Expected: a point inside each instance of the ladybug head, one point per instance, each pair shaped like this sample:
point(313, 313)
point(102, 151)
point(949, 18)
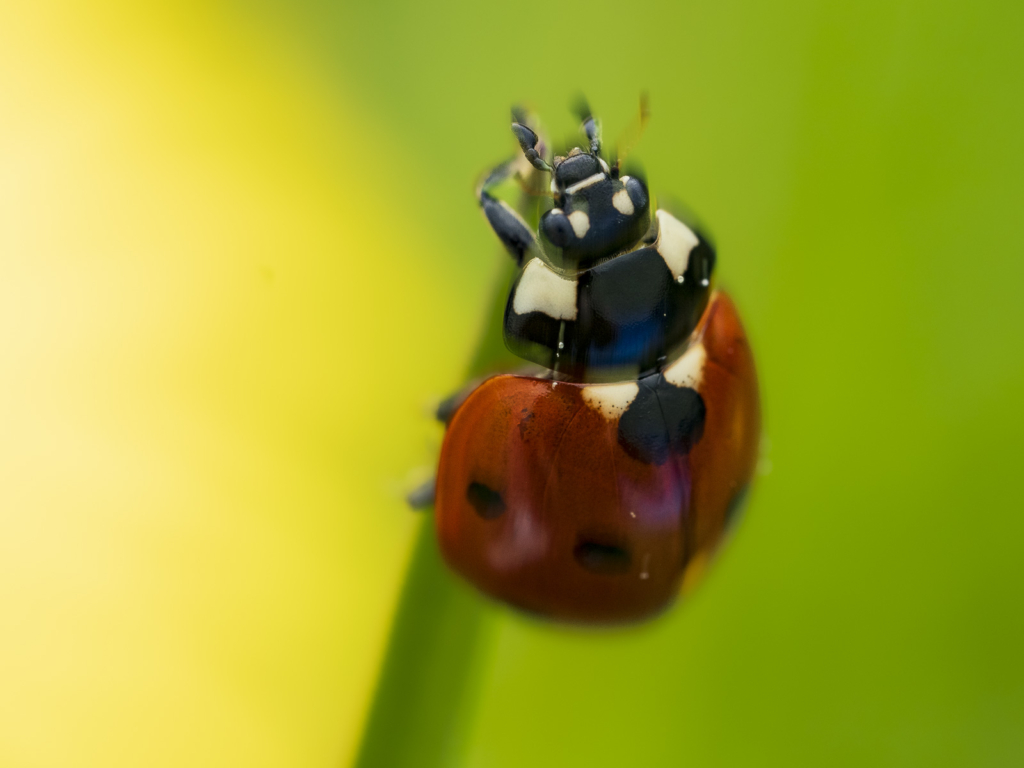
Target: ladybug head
point(596, 213)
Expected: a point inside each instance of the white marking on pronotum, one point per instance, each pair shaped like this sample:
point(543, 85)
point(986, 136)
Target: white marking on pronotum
point(688, 370)
point(604, 165)
point(675, 241)
point(584, 184)
point(610, 399)
point(542, 290)
point(580, 223)
point(622, 202)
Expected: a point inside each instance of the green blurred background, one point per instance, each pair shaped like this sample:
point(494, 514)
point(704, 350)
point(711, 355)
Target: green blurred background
point(239, 259)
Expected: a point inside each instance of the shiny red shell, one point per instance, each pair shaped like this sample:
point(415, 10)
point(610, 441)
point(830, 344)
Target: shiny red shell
point(586, 532)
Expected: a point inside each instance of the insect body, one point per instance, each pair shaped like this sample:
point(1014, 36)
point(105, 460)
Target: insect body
point(590, 493)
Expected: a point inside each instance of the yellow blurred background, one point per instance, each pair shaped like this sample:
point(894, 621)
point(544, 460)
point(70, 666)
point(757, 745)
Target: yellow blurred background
point(209, 404)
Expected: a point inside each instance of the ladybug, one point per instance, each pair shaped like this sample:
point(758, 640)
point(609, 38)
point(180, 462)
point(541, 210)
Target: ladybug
point(594, 489)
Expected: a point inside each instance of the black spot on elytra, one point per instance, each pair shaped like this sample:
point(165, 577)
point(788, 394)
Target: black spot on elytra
point(486, 501)
point(663, 420)
point(602, 559)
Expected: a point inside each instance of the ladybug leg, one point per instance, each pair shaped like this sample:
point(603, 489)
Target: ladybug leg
point(447, 407)
point(514, 233)
point(423, 496)
point(528, 139)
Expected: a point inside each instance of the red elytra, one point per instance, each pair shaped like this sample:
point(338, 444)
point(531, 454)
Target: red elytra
point(578, 529)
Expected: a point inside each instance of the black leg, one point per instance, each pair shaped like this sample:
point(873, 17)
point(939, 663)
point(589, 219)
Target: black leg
point(509, 226)
point(422, 497)
point(447, 407)
point(528, 140)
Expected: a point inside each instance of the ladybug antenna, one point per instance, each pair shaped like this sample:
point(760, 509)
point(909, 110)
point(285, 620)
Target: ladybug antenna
point(528, 140)
point(632, 134)
point(590, 127)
